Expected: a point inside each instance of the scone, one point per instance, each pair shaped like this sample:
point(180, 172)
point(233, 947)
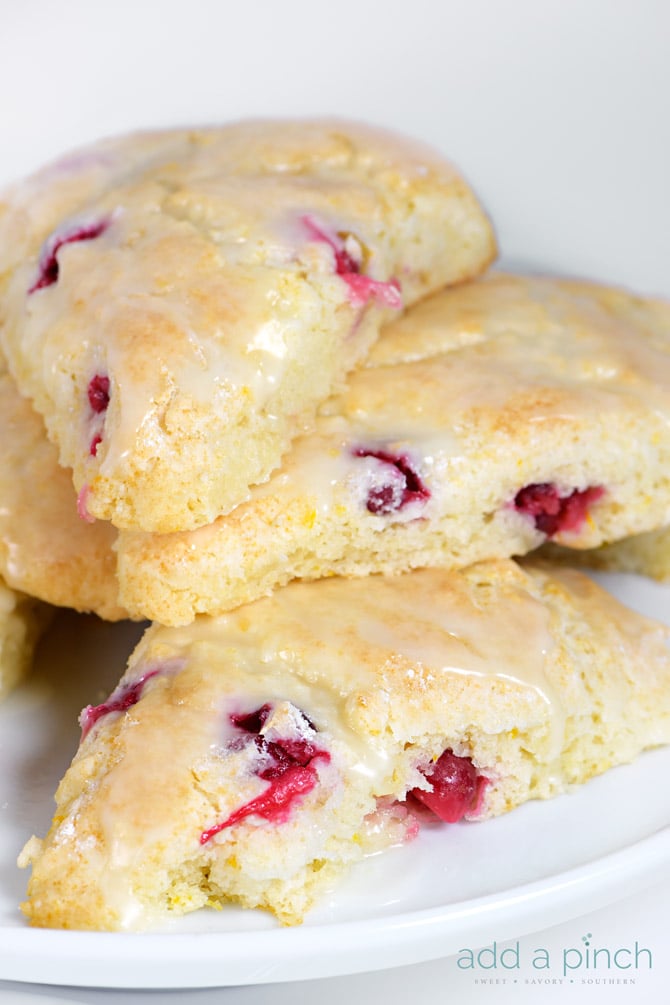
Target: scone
point(22, 620)
point(489, 418)
point(254, 757)
point(178, 303)
point(46, 550)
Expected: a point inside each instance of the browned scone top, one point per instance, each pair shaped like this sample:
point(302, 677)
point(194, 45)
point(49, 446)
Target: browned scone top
point(488, 419)
point(255, 756)
point(178, 303)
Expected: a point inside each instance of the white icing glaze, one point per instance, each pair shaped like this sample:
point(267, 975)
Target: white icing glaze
point(318, 647)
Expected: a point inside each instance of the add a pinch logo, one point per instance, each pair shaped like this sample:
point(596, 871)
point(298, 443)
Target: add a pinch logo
point(586, 961)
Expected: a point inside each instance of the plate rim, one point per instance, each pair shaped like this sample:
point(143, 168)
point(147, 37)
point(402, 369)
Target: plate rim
point(267, 956)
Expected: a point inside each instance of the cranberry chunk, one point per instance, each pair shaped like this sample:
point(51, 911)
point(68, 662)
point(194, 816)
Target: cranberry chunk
point(285, 753)
point(552, 512)
point(120, 700)
point(98, 393)
point(287, 763)
point(457, 787)
point(361, 287)
point(403, 487)
point(252, 722)
point(275, 803)
point(48, 267)
point(345, 263)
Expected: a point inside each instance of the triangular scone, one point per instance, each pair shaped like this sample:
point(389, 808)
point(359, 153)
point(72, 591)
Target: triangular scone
point(177, 304)
point(253, 757)
point(46, 549)
point(22, 620)
point(488, 418)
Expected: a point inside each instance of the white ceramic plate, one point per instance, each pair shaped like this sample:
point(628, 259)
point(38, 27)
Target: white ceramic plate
point(455, 887)
point(23, 998)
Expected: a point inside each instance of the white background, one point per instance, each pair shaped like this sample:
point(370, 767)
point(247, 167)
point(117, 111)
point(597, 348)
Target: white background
point(557, 110)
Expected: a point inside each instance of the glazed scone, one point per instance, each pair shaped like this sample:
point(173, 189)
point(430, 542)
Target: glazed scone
point(254, 757)
point(22, 620)
point(489, 418)
point(177, 304)
point(46, 550)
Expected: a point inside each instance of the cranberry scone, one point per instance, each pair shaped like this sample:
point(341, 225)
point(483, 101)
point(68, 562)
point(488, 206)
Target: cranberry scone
point(254, 757)
point(46, 550)
point(177, 304)
point(489, 418)
point(22, 621)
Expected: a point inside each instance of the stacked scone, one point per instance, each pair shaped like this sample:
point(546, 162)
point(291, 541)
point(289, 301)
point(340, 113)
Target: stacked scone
point(319, 519)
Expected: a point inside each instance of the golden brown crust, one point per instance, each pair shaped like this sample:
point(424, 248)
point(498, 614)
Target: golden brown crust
point(22, 621)
point(207, 293)
point(381, 674)
point(46, 549)
point(483, 389)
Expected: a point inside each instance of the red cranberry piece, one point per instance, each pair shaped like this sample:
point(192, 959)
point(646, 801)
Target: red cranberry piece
point(457, 787)
point(48, 268)
point(576, 507)
point(98, 399)
point(400, 491)
point(119, 701)
point(361, 287)
point(552, 512)
point(98, 393)
point(285, 753)
point(345, 264)
point(275, 803)
point(252, 722)
point(287, 764)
